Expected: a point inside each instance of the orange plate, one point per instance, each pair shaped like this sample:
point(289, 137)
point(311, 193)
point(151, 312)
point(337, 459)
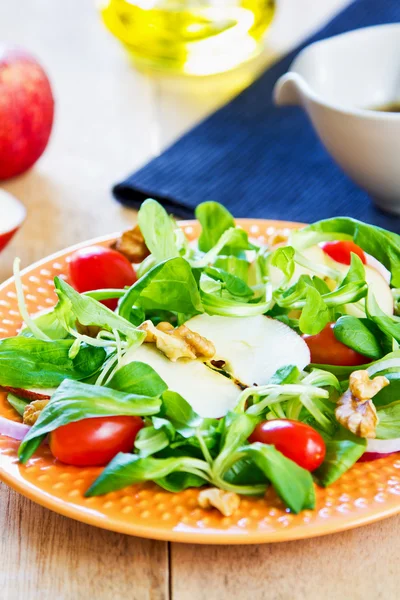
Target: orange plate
point(366, 493)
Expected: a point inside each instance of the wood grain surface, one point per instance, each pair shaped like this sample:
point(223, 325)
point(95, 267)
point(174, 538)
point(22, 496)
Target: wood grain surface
point(109, 120)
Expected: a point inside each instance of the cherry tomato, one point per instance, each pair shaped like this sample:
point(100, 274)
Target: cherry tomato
point(95, 268)
point(95, 441)
point(296, 440)
point(341, 251)
point(327, 350)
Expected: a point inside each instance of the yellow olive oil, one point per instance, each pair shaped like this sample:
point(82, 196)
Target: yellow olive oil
point(393, 107)
point(192, 37)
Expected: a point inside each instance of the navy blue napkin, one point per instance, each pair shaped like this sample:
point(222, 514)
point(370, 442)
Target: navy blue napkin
point(260, 160)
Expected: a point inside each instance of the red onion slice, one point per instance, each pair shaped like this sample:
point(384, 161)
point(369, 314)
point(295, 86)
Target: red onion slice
point(13, 429)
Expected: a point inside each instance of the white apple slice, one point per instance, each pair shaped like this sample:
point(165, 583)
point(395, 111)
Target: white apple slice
point(373, 262)
point(12, 215)
point(209, 393)
point(253, 348)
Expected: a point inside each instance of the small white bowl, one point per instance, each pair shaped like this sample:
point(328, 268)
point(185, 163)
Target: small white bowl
point(336, 81)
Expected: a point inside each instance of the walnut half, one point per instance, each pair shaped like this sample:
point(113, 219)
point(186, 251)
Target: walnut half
point(33, 410)
point(181, 342)
point(132, 245)
point(226, 502)
point(355, 409)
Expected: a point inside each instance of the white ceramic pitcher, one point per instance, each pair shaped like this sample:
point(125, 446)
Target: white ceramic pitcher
point(337, 81)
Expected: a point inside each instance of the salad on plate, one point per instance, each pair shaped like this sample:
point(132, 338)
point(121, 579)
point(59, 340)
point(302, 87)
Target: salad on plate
point(226, 365)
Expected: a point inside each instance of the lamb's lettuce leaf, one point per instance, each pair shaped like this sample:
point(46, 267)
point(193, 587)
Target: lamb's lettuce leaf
point(356, 334)
point(389, 326)
point(292, 483)
point(49, 324)
point(138, 378)
point(158, 230)
point(18, 404)
point(170, 286)
point(73, 307)
point(127, 469)
point(27, 362)
point(389, 419)
point(342, 451)
point(315, 314)
point(215, 219)
point(233, 284)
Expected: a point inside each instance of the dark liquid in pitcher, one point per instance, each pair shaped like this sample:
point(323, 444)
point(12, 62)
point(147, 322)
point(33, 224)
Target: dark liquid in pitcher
point(393, 107)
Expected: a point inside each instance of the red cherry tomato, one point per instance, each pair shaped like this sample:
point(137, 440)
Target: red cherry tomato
point(296, 440)
point(341, 251)
point(95, 268)
point(95, 441)
point(327, 350)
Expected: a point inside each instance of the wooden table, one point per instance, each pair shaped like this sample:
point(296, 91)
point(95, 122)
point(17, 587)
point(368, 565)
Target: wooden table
point(109, 120)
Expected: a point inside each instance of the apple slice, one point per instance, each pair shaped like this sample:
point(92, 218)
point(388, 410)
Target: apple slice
point(12, 215)
point(209, 393)
point(253, 348)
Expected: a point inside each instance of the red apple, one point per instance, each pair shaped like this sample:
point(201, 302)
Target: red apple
point(26, 111)
point(12, 215)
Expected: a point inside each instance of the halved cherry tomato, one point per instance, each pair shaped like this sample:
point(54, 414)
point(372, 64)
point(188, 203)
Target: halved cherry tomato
point(95, 441)
point(95, 268)
point(327, 350)
point(341, 251)
point(296, 440)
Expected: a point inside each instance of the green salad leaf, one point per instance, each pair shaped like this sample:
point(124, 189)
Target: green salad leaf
point(390, 326)
point(389, 420)
point(158, 230)
point(170, 286)
point(49, 324)
point(127, 469)
point(73, 307)
point(138, 378)
point(390, 393)
point(27, 362)
point(150, 440)
point(215, 219)
point(292, 483)
point(355, 334)
point(283, 259)
point(234, 265)
point(178, 481)
point(356, 271)
point(18, 404)
point(233, 284)
point(233, 241)
point(315, 314)
point(179, 413)
point(342, 452)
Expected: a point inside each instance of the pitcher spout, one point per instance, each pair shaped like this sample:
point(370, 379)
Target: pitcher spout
point(289, 90)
